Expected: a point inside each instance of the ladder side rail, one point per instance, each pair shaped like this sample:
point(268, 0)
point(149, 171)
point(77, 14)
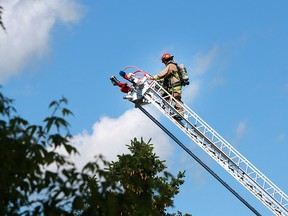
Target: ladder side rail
point(224, 143)
point(206, 128)
point(203, 136)
point(249, 168)
point(242, 160)
point(197, 159)
point(246, 182)
point(238, 174)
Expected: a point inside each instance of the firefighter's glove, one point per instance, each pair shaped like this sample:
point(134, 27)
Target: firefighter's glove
point(155, 77)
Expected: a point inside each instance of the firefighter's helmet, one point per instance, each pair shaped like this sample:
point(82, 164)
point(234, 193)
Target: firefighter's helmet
point(166, 56)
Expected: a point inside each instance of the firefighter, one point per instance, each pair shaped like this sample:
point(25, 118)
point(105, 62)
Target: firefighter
point(171, 80)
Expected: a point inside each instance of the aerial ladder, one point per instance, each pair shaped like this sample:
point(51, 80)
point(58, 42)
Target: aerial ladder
point(144, 90)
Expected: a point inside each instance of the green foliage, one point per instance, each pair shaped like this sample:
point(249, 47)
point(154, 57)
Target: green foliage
point(147, 188)
point(36, 179)
point(136, 184)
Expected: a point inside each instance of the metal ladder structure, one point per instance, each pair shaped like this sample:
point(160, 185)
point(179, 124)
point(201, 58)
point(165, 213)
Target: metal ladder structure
point(151, 92)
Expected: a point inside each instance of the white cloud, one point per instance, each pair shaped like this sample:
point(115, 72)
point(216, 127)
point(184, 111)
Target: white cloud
point(191, 91)
point(280, 138)
point(29, 24)
point(241, 128)
point(111, 135)
point(286, 87)
point(218, 81)
point(203, 62)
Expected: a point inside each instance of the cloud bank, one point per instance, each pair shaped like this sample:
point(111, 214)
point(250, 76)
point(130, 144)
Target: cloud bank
point(28, 30)
point(110, 136)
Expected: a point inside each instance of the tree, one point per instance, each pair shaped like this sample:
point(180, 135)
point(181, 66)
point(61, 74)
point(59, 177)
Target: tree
point(37, 180)
point(137, 184)
point(28, 184)
point(147, 188)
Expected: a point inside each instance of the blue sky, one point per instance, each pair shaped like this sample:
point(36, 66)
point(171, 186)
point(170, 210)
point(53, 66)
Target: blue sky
point(236, 55)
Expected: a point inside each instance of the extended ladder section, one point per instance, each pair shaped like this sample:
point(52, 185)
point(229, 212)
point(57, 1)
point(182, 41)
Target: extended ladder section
point(214, 145)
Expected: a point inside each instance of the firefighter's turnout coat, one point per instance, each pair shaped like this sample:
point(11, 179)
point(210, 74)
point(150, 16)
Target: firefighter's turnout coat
point(170, 78)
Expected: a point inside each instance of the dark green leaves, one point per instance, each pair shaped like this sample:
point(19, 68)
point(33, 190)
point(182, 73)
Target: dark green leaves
point(29, 163)
point(148, 188)
point(37, 177)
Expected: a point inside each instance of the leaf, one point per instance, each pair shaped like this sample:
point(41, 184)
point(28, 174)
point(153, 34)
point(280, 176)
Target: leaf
point(49, 122)
point(63, 100)
point(66, 112)
point(53, 103)
point(70, 149)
